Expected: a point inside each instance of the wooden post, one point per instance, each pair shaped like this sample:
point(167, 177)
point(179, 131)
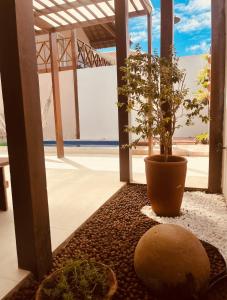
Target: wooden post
point(167, 27)
point(149, 48)
point(122, 48)
point(56, 94)
point(20, 89)
point(75, 80)
point(149, 33)
point(3, 194)
point(217, 95)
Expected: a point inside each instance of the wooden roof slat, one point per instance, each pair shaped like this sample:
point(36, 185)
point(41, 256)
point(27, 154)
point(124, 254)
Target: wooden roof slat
point(81, 13)
point(99, 8)
point(46, 27)
point(91, 22)
point(57, 13)
point(107, 28)
point(133, 4)
point(90, 11)
point(147, 5)
point(102, 43)
point(79, 23)
point(110, 6)
point(50, 11)
point(69, 5)
point(74, 4)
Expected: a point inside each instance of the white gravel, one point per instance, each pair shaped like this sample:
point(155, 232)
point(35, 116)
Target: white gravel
point(205, 215)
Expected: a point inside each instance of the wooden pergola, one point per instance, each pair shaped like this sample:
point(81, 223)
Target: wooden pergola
point(96, 17)
point(20, 88)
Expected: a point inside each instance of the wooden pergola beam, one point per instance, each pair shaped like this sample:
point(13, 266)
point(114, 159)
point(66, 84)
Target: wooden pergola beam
point(62, 7)
point(108, 29)
point(147, 6)
point(122, 49)
point(75, 81)
point(76, 4)
point(46, 27)
point(99, 44)
point(20, 89)
point(217, 95)
point(86, 23)
point(56, 94)
point(149, 50)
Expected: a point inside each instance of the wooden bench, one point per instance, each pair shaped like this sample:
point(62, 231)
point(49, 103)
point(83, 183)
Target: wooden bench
point(3, 184)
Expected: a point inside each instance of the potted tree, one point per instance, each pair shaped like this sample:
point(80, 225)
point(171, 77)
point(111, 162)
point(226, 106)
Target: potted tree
point(155, 88)
point(81, 279)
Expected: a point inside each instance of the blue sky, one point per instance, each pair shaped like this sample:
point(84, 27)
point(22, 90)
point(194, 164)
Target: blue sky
point(192, 34)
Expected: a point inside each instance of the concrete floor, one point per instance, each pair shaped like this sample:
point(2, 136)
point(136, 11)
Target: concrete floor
point(77, 186)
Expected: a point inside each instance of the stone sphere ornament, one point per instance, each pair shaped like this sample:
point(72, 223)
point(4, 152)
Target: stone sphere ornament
point(172, 262)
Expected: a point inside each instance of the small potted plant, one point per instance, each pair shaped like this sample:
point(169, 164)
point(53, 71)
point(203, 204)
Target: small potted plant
point(81, 279)
point(155, 88)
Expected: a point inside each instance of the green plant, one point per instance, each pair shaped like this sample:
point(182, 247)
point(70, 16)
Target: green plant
point(202, 138)
point(82, 279)
point(151, 84)
point(203, 94)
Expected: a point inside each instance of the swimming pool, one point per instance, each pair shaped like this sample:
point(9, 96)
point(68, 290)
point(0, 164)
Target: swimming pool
point(84, 143)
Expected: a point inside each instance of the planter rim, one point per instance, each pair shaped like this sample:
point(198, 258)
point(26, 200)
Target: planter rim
point(112, 289)
point(224, 277)
point(180, 160)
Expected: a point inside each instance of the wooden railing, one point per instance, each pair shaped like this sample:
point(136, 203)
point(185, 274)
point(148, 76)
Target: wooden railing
point(86, 56)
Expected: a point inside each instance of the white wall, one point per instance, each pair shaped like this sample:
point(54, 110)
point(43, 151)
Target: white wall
point(97, 102)
point(193, 65)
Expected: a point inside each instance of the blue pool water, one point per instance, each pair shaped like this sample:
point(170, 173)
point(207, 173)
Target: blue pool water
point(84, 143)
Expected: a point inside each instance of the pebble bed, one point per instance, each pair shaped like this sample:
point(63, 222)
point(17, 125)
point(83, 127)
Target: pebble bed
point(203, 214)
point(110, 236)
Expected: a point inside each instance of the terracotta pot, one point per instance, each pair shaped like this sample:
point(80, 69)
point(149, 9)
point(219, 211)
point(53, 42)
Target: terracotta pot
point(112, 283)
point(165, 183)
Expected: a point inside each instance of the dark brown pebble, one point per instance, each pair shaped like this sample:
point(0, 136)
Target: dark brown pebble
point(111, 237)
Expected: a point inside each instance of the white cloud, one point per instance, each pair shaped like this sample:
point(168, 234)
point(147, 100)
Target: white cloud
point(138, 24)
point(195, 22)
point(195, 16)
point(156, 23)
point(138, 27)
point(203, 46)
point(138, 36)
point(194, 6)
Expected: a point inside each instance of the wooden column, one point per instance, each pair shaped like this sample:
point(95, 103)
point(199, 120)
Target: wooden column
point(3, 194)
point(75, 81)
point(122, 48)
point(149, 50)
point(167, 25)
point(149, 33)
point(56, 94)
point(217, 95)
point(167, 41)
point(20, 88)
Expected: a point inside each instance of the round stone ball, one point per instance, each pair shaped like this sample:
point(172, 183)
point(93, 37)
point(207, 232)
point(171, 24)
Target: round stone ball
point(172, 262)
